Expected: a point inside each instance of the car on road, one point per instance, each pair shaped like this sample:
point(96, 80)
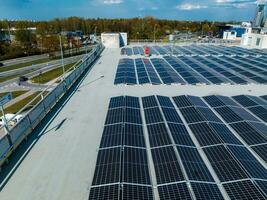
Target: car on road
point(1, 64)
point(23, 79)
point(12, 119)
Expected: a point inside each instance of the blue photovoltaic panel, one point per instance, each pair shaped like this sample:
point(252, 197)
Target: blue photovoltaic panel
point(108, 166)
point(261, 150)
point(192, 115)
point(180, 134)
point(224, 133)
point(133, 135)
point(228, 115)
point(132, 102)
point(158, 135)
point(153, 115)
point(205, 134)
point(194, 165)
point(149, 102)
point(182, 101)
point(249, 162)
point(221, 159)
point(244, 190)
point(116, 102)
point(112, 136)
point(115, 116)
point(165, 102)
point(262, 185)
point(178, 191)
point(105, 192)
point(249, 134)
point(171, 115)
point(137, 192)
point(135, 166)
point(166, 165)
point(206, 191)
point(196, 101)
point(260, 111)
point(132, 116)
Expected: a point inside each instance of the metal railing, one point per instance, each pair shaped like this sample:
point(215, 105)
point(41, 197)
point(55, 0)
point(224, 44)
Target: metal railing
point(43, 103)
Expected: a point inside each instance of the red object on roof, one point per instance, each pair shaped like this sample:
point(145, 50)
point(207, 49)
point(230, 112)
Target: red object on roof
point(147, 51)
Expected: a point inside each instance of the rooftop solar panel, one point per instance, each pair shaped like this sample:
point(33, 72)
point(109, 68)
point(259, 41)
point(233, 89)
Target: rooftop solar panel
point(221, 159)
point(243, 190)
point(182, 101)
point(259, 111)
point(153, 115)
point(180, 134)
point(133, 135)
point(178, 191)
point(206, 191)
point(249, 162)
point(194, 165)
point(224, 133)
point(149, 101)
point(107, 166)
point(192, 115)
point(135, 166)
point(261, 150)
point(205, 134)
point(105, 192)
point(166, 165)
point(165, 101)
point(137, 192)
point(171, 115)
point(112, 136)
point(158, 135)
point(262, 185)
point(248, 133)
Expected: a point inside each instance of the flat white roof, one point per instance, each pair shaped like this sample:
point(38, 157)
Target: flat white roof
point(61, 162)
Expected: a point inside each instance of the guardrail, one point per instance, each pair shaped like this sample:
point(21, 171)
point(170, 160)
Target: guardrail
point(48, 99)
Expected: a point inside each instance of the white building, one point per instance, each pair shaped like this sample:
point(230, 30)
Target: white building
point(254, 40)
point(114, 40)
point(229, 35)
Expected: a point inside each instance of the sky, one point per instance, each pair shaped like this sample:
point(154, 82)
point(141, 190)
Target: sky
point(213, 10)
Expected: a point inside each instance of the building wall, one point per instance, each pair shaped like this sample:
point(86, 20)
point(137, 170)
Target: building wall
point(253, 40)
point(110, 40)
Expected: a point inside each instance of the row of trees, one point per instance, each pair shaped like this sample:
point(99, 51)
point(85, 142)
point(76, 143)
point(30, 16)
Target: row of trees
point(132, 26)
point(45, 39)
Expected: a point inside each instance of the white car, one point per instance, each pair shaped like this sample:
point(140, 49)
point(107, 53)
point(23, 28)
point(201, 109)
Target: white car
point(15, 119)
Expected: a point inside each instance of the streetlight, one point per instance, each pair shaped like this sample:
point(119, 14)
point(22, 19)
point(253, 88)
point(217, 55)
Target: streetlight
point(62, 58)
point(155, 33)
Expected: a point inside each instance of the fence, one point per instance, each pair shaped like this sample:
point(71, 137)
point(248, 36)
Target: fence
point(19, 131)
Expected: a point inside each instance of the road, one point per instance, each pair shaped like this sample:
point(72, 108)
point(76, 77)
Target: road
point(33, 58)
point(42, 66)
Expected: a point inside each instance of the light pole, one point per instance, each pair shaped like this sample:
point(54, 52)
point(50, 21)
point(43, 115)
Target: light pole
point(95, 30)
point(155, 33)
point(62, 57)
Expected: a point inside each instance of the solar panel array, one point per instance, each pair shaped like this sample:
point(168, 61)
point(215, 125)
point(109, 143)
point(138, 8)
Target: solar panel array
point(192, 70)
point(213, 147)
point(192, 50)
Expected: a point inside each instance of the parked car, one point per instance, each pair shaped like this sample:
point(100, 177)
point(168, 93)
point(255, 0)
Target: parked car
point(1, 64)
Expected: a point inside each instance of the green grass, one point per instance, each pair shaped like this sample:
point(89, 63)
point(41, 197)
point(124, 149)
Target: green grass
point(26, 64)
point(3, 79)
point(15, 94)
point(50, 75)
point(19, 105)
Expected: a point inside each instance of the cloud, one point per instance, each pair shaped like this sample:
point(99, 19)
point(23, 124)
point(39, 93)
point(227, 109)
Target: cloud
point(113, 2)
point(189, 6)
point(235, 3)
